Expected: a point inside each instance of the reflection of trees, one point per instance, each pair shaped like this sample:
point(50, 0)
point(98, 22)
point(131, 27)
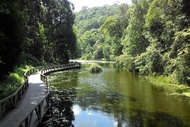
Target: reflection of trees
point(61, 110)
point(115, 104)
point(64, 80)
point(61, 114)
point(112, 103)
point(106, 102)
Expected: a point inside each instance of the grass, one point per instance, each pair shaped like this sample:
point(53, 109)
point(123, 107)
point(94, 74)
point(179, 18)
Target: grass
point(13, 82)
point(169, 85)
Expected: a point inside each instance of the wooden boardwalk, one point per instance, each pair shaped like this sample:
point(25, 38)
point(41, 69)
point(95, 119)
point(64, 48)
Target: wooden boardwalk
point(34, 102)
point(34, 95)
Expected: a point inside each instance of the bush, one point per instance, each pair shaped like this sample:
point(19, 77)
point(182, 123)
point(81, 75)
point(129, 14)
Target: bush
point(182, 65)
point(149, 62)
point(87, 57)
point(125, 61)
point(95, 68)
point(13, 82)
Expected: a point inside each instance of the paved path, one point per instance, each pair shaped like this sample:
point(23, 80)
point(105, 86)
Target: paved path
point(35, 93)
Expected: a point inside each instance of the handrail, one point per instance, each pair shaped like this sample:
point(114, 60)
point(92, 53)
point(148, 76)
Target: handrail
point(15, 97)
point(40, 107)
point(51, 69)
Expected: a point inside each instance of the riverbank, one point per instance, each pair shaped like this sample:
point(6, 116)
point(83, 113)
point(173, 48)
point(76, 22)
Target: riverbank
point(168, 85)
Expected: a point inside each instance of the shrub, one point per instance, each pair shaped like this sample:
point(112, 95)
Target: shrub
point(182, 70)
point(149, 62)
point(13, 82)
point(125, 61)
point(95, 68)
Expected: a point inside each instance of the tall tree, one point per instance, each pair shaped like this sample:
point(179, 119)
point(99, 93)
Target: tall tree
point(11, 36)
point(50, 36)
point(134, 41)
point(60, 19)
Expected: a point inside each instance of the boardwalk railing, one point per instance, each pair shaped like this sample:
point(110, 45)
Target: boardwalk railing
point(11, 101)
point(51, 69)
point(41, 109)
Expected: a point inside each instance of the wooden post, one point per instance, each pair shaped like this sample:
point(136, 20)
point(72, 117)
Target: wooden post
point(1, 110)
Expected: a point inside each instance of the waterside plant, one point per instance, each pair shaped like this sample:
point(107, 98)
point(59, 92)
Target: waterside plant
point(95, 68)
point(13, 82)
point(169, 85)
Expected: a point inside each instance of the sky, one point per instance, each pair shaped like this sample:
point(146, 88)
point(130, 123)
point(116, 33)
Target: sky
point(94, 3)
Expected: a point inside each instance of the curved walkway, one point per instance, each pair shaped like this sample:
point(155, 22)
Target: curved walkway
point(33, 96)
point(35, 102)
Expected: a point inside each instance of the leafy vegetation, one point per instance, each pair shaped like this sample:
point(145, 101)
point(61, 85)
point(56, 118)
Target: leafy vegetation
point(34, 32)
point(168, 84)
point(149, 37)
point(95, 68)
point(14, 80)
point(98, 32)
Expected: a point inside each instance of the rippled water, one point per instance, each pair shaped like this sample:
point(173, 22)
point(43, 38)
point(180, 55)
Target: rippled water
point(116, 98)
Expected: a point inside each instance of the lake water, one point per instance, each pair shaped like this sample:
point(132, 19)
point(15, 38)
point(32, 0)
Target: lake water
point(114, 98)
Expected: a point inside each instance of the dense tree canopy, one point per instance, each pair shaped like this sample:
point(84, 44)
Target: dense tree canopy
point(35, 31)
point(11, 38)
point(99, 31)
point(147, 37)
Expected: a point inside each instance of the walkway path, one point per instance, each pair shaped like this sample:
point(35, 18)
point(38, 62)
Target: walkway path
point(33, 96)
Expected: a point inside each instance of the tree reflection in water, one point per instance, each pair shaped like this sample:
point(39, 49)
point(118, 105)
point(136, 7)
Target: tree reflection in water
point(118, 104)
point(61, 114)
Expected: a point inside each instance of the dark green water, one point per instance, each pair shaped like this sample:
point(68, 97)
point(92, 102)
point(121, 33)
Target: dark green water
point(116, 98)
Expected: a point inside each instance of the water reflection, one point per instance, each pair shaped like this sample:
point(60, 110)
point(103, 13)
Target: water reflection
point(90, 117)
point(113, 98)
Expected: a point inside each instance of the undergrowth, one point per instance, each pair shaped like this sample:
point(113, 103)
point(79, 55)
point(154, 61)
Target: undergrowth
point(13, 82)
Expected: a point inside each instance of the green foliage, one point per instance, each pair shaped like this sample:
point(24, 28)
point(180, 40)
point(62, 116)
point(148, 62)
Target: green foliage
point(95, 68)
point(36, 31)
point(125, 61)
point(162, 48)
point(49, 35)
point(150, 37)
point(13, 82)
point(111, 27)
point(99, 31)
point(182, 71)
point(31, 60)
point(87, 57)
point(168, 84)
point(93, 18)
point(153, 14)
point(134, 41)
point(149, 62)
point(11, 36)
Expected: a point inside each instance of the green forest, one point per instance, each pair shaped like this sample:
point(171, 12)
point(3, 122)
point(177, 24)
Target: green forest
point(137, 70)
point(33, 32)
point(149, 37)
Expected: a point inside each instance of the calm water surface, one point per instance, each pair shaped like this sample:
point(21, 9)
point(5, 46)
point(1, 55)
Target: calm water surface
point(117, 98)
